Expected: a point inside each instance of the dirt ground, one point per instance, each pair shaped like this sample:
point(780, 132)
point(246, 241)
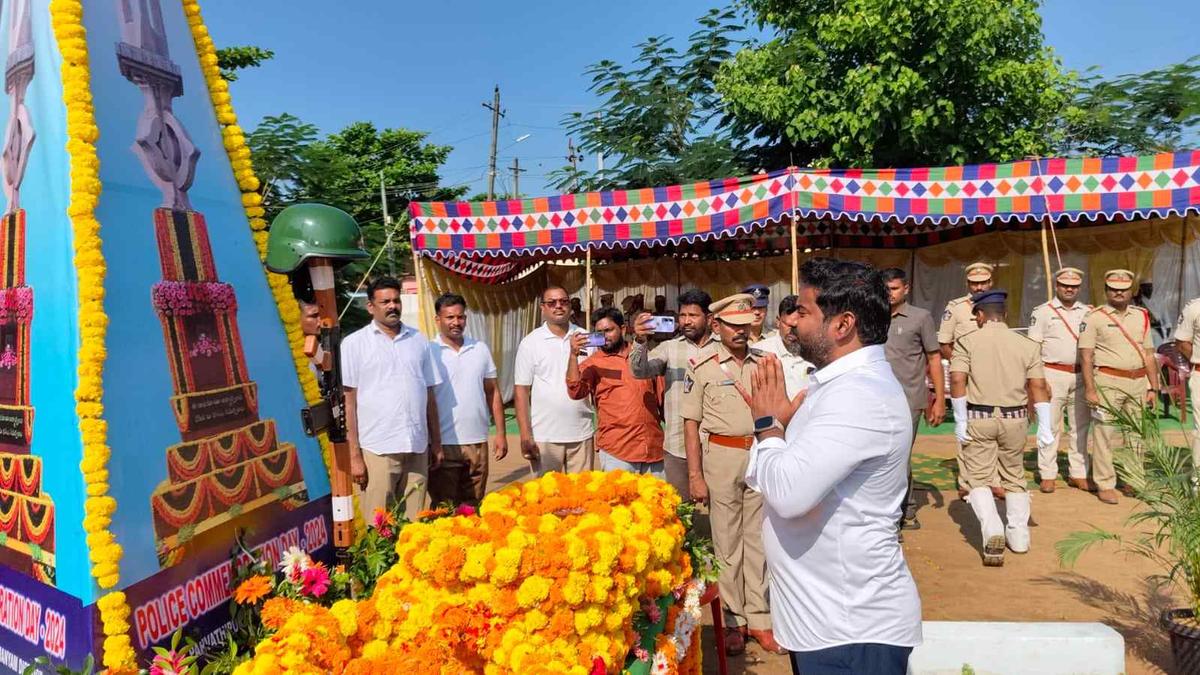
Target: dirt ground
point(944, 557)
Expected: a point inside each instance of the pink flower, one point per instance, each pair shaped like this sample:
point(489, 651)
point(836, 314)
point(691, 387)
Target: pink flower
point(314, 581)
point(464, 510)
point(641, 654)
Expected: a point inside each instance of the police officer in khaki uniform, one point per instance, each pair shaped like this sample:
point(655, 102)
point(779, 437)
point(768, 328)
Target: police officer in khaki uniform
point(989, 374)
point(957, 321)
point(762, 299)
point(1187, 340)
point(1055, 325)
point(1116, 353)
point(959, 317)
point(716, 402)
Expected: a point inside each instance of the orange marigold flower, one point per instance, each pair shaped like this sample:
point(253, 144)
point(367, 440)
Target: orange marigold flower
point(252, 590)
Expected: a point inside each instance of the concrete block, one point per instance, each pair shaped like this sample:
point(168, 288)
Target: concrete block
point(1018, 648)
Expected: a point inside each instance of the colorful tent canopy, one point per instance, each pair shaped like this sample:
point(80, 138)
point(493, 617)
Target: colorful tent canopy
point(882, 208)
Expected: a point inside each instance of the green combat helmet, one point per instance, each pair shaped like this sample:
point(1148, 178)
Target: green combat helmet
point(303, 231)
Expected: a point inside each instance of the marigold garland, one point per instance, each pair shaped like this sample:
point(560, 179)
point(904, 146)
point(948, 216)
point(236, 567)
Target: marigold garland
point(544, 579)
point(105, 554)
point(243, 172)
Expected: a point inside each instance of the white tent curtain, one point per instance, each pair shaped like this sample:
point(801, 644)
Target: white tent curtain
point(501, 315)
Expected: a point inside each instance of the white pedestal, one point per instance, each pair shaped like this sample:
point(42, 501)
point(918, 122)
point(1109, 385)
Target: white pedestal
point(1018, 648)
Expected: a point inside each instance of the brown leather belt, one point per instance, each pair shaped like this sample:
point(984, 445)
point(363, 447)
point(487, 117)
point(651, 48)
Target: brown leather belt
point(1063, 367)
point(1127, 374)
point(735, 442)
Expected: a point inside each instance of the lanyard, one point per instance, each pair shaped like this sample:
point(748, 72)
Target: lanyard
point(736, 383)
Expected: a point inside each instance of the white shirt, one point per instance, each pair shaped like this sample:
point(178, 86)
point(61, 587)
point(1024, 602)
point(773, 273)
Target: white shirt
point(461, 402)
point(391, 377)
point(832, 493)
point(795, 369)
point(542, 364)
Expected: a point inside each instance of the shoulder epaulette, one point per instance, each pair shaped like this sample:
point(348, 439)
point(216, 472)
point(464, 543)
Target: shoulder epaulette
point(702, 357)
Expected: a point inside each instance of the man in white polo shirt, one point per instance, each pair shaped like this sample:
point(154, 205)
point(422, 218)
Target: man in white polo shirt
point(467, 391)
point(556, 432)
point(391, 411)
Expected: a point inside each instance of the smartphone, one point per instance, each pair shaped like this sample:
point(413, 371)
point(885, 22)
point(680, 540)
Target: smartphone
point(595, 340)
point(662, 324)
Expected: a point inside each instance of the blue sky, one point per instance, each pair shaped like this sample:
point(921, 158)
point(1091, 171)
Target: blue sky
point(430, 65)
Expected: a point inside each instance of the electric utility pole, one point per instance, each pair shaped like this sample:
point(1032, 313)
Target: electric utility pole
point(497, 113)
point(516, 171)
point(573, 157)
point(387, 226)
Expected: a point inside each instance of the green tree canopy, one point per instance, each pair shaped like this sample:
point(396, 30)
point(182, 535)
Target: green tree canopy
point(885, 83)
point(658, 122)
point(1155, 111)
point(231, 59)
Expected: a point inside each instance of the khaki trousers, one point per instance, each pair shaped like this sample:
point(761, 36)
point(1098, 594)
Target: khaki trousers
point(1066, 394)
point(995, 445)
point(677, 474)
point(461, 478)
point(1121, 393)
point(574, 457)
point(1194, 395)
point(736, 513)
point(390, 478)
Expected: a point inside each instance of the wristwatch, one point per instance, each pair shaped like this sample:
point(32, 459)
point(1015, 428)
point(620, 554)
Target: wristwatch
point(763, 424)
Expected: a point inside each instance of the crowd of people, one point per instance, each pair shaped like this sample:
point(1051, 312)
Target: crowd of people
point(730, 415)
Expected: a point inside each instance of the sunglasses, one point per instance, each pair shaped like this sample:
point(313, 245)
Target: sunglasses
point(565, 302)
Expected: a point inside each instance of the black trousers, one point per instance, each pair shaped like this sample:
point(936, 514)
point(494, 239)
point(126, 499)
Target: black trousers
point(852, 659)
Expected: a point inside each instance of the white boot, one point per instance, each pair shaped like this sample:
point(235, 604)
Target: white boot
point(1017, 532)
point(990, 525)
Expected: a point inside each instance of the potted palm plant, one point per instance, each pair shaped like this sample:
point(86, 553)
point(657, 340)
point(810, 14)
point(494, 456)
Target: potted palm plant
point(1165, 524)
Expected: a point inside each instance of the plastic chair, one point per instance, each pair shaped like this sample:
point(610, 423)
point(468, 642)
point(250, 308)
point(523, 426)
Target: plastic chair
point(1175, 385)
point(712, 598)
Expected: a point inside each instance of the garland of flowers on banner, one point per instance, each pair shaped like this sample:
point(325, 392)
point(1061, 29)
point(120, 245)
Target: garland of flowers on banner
point(243, 172)
point(546, 578)
point(104, 551)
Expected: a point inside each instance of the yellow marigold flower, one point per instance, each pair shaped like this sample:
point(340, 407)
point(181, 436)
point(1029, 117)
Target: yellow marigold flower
point(533, 590)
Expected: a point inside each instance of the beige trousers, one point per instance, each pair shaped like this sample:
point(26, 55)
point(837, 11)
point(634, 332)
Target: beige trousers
point(390, 478)
point(1194, 395)
point(1121, 393)
point(564, 457)
point(995, 445)
point(1066, 395)
point(736, 513)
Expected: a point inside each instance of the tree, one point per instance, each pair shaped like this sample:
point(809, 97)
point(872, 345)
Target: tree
point(1155, 111)
point(883, 83)
point(659, 122)
point(230, 59)
point(344, 170)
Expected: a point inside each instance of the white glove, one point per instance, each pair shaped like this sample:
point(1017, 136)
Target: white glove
point(959, 405)
point(1045, 432)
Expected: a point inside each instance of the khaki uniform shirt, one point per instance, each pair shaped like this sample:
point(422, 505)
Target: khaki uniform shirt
point(1100, 332)
point(1188, 329)
point(997, 361)
point(710, 396)
point(1057, 331)
point(669, 359)
point(957, 320)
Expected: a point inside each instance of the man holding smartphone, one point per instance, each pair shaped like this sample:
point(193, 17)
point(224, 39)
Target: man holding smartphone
point(669, 360)
point(629, 436)
point(556, 431)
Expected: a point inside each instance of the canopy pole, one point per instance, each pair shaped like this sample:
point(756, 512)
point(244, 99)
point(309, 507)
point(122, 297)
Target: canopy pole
point(421, 323)
point(1046, 262)
point(795, 261)
point(587, 319)
point(1183, 232)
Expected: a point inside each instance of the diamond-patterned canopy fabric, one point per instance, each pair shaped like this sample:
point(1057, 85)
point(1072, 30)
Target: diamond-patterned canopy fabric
point(877, 208)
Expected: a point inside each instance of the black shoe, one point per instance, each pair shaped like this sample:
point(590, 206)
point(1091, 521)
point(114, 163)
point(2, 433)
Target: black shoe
point(910, 524)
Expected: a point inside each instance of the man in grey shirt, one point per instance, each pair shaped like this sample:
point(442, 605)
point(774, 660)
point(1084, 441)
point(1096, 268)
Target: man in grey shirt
point(912, 350)
point(670, 359)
